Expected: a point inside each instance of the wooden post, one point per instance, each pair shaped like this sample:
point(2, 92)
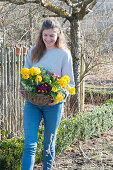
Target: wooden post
point(18, 97)
point(9, 89)
point(14, 89)
point(2, 93)
point(22, 56)
point(82, 83)
point(5, 91)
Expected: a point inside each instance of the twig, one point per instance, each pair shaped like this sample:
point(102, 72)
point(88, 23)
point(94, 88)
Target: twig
point(85, 156)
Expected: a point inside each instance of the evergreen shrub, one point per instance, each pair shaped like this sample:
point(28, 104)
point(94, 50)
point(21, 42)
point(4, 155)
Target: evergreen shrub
point(97, 96)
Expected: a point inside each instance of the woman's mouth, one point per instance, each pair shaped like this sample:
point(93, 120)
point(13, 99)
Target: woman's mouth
point(48, 42)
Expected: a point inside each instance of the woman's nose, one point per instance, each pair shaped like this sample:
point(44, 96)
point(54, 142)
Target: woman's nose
point(48, 38)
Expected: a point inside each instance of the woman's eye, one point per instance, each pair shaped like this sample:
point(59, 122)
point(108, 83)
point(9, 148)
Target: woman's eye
point(45, 35)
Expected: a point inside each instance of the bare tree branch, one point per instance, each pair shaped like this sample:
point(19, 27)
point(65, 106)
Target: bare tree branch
point(9, 10)
point(87, 69)
point(68, 2)
point(53, 8)
point(79, 4)
point(50, 15)
point(87, 2)
point(57, 10)
point(61, 12)
point(91, 6)
point(22, 2)
point(21, 17)
point(104, 35)
point(84, 10)
point(4, 5)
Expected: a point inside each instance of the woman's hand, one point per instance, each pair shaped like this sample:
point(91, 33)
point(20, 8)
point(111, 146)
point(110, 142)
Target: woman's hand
point(21, 92)
point(51, 104)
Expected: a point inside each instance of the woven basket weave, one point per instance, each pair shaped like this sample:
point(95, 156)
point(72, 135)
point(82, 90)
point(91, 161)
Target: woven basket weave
point(38, 99)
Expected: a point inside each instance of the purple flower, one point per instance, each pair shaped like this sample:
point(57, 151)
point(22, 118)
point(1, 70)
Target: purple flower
point(43, 88)
point(56, 76)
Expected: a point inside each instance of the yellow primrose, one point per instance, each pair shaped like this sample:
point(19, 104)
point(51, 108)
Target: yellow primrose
point(38, 78)
point(58, 101)
point(68, 88)
point(67, 78)
point(34, 71)
point(54, 89)
point(24, 71)
point(62, 82)
point(72, 90)
point(25, 76)
point(59, 97)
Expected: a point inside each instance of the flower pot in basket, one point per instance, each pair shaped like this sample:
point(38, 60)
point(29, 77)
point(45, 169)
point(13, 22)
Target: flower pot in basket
point(18, 51)
point(24, 51)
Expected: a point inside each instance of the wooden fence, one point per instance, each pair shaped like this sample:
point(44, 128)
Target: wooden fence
point(11, 102)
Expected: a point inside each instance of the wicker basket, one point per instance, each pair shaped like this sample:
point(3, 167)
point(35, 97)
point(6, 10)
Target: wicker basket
point(38, 99)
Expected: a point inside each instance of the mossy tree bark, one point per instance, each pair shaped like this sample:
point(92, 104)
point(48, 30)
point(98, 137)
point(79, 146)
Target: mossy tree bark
point(76, 54)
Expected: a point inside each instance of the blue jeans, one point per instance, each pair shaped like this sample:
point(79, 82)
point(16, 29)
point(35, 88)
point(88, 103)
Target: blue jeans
point(32, 116)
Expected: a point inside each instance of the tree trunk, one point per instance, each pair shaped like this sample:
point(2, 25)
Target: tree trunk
point(76, 54)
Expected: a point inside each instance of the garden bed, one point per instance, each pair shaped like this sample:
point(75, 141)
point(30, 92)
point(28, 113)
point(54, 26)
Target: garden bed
point(95, 153)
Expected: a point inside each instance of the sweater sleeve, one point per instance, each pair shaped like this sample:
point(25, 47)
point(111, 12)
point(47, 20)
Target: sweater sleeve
point(28, 63)
point(67, 68)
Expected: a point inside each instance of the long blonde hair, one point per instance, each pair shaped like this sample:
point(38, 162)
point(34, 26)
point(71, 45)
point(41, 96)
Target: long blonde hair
point(40, 48)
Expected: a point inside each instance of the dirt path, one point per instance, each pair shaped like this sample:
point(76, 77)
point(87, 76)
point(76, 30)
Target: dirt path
point(96, 153)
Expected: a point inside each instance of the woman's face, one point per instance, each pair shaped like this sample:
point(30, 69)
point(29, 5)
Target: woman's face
point(49, 38)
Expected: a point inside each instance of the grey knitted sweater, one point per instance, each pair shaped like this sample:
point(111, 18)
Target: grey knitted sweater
point(56, 60)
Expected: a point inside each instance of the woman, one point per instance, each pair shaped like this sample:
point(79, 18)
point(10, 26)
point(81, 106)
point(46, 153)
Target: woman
point(50, 52)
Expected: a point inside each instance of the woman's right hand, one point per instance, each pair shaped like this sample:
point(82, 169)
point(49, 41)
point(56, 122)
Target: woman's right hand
point(21, 92)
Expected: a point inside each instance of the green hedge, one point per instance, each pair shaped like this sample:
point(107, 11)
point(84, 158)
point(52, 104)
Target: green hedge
point(11, 153)
point(78, 127)
point(97, 96)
